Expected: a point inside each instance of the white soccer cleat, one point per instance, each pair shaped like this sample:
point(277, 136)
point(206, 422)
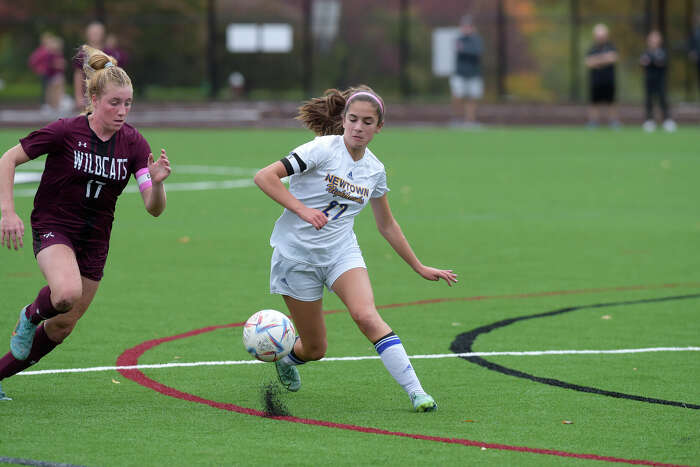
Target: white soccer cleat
point(670, 126)
point(649, 126)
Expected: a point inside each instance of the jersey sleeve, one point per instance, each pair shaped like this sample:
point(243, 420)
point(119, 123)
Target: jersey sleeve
point(304, 158)
point(140, 149)
point(381, 188)
point(43, 141)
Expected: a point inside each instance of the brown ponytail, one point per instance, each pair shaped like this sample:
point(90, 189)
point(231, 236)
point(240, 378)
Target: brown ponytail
point(100, 70)
point(324, 115)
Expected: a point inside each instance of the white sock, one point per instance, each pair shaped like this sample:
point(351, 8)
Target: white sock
point(396, 361)
point(291, 359)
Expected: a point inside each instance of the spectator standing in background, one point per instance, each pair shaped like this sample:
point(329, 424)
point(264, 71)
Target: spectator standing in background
point(47, 61)
point(112, 44)
point(654, 60)
point(466, 83)
point(95, 38)
point(601, 60)
point(694, 47)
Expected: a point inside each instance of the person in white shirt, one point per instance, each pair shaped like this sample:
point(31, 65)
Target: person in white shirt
point(331, 179)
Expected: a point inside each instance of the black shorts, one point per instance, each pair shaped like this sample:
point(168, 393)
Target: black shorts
point(91, 257)
point(603, 93)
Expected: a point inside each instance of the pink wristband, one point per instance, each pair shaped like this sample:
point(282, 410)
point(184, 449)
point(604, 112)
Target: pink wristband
point(143, 178)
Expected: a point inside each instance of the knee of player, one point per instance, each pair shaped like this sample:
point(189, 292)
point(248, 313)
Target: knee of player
point(58, 331)
point(367, 319)
point(316, 351)
point(65, 299)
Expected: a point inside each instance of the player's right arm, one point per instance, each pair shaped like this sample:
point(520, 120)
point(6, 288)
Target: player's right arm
point(11, 226)
point(269, 180)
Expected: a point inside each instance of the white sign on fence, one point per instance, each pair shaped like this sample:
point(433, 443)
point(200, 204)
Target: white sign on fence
point(253, 38)
point(444, 50)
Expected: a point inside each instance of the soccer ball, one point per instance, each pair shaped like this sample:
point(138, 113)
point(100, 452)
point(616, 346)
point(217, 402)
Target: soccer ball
point(269, 335)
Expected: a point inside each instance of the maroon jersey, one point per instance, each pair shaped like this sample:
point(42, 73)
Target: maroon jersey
point(83, 176)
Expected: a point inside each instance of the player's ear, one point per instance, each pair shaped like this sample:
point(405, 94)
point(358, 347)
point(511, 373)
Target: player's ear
point(379, 127)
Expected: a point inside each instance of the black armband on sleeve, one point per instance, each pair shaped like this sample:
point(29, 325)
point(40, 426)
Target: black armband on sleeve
point(293, 164)
point(287, 166)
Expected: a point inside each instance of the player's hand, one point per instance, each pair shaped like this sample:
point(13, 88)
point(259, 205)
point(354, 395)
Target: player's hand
point(433, 274)
point(11, 231)
point(314, 217)
point(160, 169)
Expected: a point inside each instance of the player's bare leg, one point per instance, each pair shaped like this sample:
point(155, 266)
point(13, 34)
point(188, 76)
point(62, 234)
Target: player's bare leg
point(354, 289)
point(312, 342)
point(60, 268)
point(49, 334)
point(60, 326)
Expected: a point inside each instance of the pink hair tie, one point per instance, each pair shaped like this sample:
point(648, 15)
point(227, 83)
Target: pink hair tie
point(365, 93)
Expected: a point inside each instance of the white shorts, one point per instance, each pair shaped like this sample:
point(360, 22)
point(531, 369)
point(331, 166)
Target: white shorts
point(304, 281)
point(472, 88)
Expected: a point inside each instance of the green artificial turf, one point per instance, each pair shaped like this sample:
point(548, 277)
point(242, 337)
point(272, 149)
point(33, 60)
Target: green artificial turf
point(515, 212)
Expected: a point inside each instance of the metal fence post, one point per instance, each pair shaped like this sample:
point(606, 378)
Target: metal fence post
point(307, 50)
point(574, 55)
point(211, 49)
point(404, 49)
point(502, 57)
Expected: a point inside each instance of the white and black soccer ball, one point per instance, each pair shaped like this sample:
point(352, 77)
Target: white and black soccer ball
point(269, 335)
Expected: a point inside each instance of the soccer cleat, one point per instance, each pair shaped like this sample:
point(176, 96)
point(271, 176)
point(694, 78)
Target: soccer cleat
point(669, 125)
point(423, 403)
point(289, 376)
point(22, 337)
point(649, 126)
point(3, 396)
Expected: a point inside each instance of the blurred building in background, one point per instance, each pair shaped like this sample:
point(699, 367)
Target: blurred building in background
point(290, 49)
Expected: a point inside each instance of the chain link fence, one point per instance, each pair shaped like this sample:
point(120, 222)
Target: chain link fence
point(177, 49)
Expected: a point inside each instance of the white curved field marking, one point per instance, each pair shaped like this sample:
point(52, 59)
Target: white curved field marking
point(243, 178)
point(533, 353)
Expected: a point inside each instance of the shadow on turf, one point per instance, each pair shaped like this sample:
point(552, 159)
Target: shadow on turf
point(273, 406)
point(464, 343)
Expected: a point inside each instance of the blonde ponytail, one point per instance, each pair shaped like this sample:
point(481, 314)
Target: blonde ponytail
point(100, 70)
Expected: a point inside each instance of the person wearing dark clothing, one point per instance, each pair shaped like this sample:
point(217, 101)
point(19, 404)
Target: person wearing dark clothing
point(654, 60)
point(466, 83)
point(694, 47)
point(601, 60)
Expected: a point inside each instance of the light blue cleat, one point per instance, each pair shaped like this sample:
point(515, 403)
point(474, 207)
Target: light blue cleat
point(289, 376)
point(22, 337)
point(423, 403)
point(3, 396)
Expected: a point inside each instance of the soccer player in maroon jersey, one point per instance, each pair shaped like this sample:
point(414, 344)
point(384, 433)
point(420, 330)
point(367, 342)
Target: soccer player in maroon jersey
point(90, 160)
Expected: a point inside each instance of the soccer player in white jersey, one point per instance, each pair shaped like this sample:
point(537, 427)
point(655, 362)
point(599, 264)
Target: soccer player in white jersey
point(332, 178)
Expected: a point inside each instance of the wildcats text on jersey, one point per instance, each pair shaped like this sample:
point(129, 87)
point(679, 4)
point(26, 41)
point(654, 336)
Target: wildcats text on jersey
point(340, 187)
point(101, 166)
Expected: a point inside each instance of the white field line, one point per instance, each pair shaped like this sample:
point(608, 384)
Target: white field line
point(25, 177)
point(368, 357)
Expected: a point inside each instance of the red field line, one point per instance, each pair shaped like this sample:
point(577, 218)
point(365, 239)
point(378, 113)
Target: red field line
point(131, 357)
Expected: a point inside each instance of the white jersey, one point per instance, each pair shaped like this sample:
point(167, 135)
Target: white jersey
point(324, 176)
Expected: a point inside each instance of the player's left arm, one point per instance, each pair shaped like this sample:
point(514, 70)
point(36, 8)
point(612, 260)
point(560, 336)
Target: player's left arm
point(151, 183)
point(391, 231)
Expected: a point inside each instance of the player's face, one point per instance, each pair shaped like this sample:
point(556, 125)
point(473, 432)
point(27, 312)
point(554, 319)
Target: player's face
point(112, 107)
point(361, 123)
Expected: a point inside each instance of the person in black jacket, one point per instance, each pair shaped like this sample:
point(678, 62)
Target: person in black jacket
point(654, 60)
point(600, 60)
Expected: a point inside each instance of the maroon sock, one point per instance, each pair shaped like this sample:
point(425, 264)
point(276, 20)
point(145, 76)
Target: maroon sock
point(42, 308)
point(42, 345)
